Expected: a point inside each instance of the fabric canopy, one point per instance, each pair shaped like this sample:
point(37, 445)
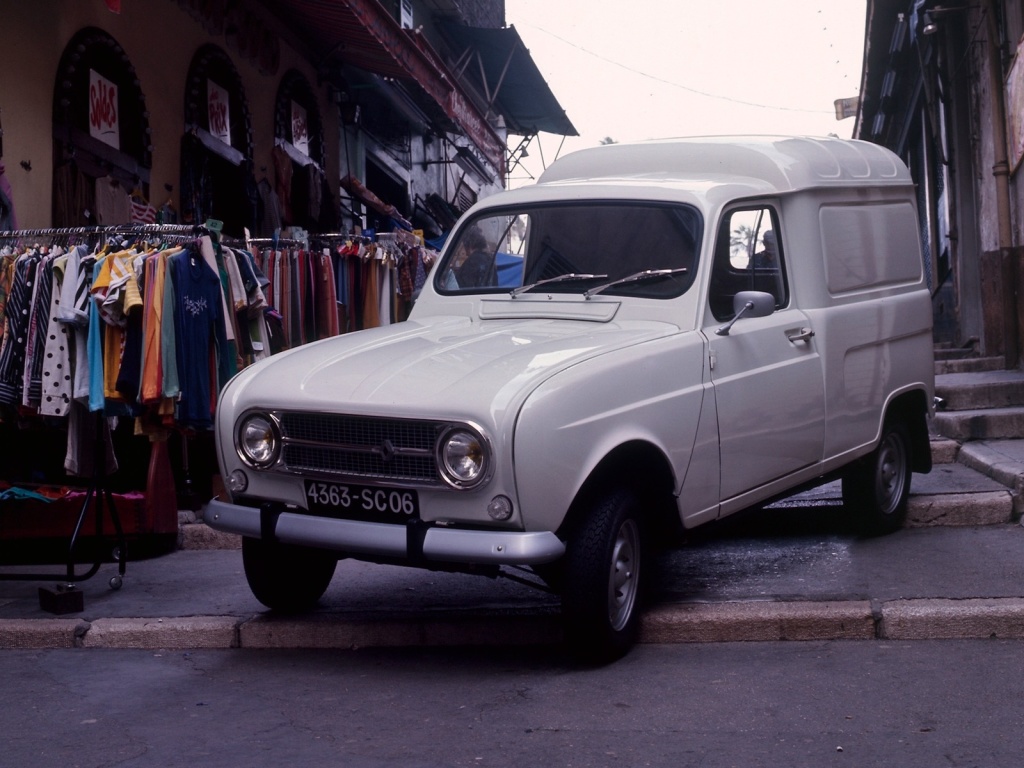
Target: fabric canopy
point(517, 88)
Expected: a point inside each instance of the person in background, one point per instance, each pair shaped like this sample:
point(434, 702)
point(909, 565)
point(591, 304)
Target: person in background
point(474, 266)
point(768, 258)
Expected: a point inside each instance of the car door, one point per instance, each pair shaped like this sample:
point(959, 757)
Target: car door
point(766, 371)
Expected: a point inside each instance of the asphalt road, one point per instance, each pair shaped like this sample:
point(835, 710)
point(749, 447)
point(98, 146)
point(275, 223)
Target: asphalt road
point(912, 704)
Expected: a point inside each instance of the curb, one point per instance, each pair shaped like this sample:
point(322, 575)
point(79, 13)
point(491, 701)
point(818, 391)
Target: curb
point(322, 632)
point(192, 632)
point(760, 621)
point(942, 619)
point(960, 509)
point(30, 634)
point(766, 621)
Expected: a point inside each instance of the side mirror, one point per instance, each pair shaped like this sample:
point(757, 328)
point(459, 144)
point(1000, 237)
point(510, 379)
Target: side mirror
point(748, 304)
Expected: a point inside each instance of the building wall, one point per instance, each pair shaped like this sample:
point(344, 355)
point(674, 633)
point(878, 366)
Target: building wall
point(160, 38)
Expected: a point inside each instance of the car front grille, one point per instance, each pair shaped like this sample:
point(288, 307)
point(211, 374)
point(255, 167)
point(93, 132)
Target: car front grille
point(391, 450)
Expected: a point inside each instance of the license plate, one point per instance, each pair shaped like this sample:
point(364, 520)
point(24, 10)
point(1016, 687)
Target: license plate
point(362, 502)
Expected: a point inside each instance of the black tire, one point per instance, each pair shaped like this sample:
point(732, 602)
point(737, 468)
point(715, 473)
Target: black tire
point(602, 579)
point(284, 577)
point(877, 487)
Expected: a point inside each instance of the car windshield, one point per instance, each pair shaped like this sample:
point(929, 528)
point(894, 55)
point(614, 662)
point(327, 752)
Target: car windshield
point(574, 248)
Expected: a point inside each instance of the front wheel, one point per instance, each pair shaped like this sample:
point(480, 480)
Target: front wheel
point(877, 487)
point(601, 586)
point(286, 577)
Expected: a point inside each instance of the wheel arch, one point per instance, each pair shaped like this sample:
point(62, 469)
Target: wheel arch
point(644, 469)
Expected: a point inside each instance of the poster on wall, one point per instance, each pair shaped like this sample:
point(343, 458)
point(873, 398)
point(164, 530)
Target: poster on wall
point(104, 122)
point(218, 108)
point(300, 129)
point(1015, 109)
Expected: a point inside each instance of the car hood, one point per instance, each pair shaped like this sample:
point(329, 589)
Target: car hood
point(452, 366)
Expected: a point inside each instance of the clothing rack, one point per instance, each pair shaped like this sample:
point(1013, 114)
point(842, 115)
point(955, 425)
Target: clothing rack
point(276, 240)
point(66, 597)
point(113, 229)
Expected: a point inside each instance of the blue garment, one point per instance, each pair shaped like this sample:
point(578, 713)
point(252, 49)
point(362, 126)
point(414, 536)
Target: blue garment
point(94, 345)
point(199, 329)
point(12, 494)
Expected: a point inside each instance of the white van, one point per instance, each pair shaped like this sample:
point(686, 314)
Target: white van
point(651, 337)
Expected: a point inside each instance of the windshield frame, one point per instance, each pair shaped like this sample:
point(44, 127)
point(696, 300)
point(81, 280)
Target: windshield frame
point(681, 232)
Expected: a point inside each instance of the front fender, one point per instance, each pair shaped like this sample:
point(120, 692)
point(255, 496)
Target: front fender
point(650, 392)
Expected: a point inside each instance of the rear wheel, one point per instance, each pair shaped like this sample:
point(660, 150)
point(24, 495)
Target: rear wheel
point(602, 579)
point(285, 577)
point(877, 487)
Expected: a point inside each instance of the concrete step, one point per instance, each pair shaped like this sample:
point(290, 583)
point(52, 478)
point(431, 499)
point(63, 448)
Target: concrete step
point(1001, 460)
point(944, 449)
point(944, 365)
point(949, 351)
point(979, 390)
point(981, 424)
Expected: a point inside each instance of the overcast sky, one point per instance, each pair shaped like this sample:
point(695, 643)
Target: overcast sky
point(659, 68)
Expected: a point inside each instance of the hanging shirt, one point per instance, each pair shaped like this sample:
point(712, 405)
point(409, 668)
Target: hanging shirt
point(57, 383)
point(39, 320)
point(199, 326)
point(113, 205)
point(12, 353)
point(95, 347)
point(170, 385)
point(107, 312)
point(153, 312)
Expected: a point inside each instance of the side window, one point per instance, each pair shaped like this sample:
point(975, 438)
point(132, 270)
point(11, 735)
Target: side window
point(748, 257)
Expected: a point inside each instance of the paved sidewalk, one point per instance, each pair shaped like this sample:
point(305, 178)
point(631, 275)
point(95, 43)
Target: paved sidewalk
point(927, 582)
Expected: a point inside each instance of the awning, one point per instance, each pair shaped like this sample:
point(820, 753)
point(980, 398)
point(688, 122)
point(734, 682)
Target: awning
point(362, 33)
point(499, 61)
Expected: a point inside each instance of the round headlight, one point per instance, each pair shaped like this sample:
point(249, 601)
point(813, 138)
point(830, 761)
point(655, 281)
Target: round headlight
point(258, 441)
point(463, 458)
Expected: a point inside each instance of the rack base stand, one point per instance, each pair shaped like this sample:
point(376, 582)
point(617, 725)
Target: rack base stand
point(62, 599)
point(65, 597)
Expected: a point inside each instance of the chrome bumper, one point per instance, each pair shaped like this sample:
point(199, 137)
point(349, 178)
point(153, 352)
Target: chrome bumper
point(449, 545)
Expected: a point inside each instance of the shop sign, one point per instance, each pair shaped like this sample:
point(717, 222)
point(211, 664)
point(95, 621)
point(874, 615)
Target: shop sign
point(219, 112)
point(300, 129)
point(104, 123)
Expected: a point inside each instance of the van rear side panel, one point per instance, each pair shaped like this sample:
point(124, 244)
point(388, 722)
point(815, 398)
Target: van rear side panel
point(876, 337)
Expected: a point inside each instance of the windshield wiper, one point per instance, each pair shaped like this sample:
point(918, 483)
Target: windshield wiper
point(647, 274)
point(561, 278)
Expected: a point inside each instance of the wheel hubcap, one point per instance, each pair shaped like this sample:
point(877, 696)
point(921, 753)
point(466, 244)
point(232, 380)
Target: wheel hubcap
point(892, 474)
point(623, 579)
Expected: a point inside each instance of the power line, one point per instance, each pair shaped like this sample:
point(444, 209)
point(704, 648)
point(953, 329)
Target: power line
point(674, 84)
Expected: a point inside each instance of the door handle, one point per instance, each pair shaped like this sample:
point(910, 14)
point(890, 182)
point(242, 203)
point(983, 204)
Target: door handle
point(799, 334)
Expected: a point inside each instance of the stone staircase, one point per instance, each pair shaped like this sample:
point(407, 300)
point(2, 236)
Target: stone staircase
point(980, 420)
point(983, 405)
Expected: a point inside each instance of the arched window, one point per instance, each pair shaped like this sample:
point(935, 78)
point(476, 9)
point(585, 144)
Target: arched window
point(101, 131)
point(302, 197)
point(297, 117)
point(216, 150)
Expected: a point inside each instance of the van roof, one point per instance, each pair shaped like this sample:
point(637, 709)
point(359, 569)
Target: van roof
point(784, 163)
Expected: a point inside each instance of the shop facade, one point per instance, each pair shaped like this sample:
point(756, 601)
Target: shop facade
point(351, 134)
point(942, 86)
